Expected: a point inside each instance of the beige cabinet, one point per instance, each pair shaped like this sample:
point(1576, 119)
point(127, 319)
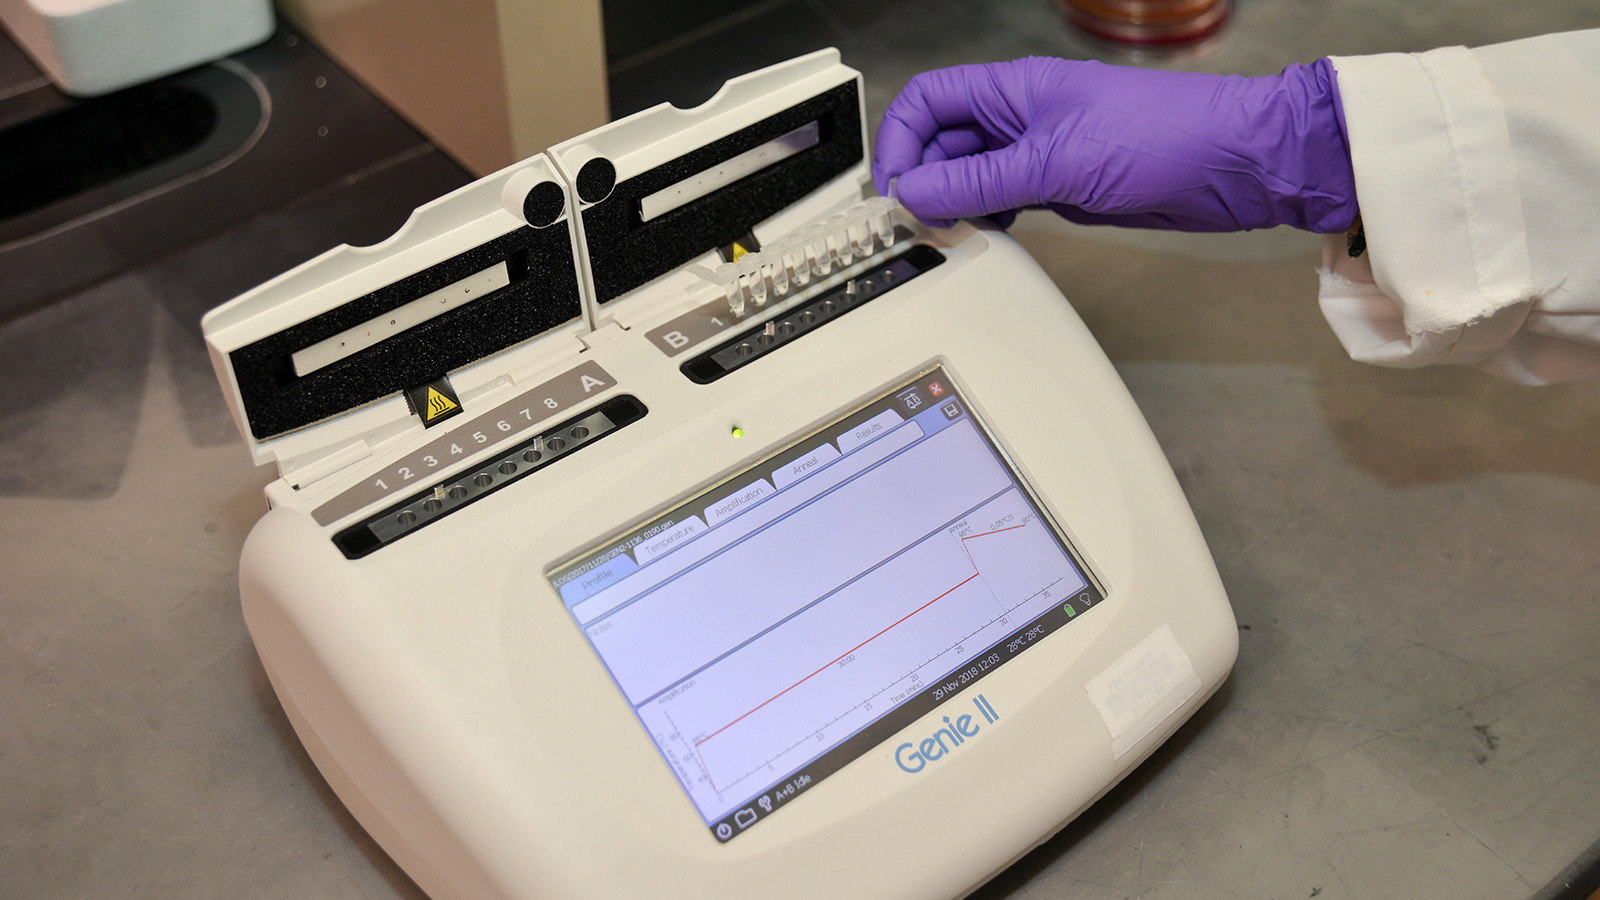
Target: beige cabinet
point(490, 81)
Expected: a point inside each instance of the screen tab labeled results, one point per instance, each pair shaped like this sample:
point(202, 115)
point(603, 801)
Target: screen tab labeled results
point(783, 623)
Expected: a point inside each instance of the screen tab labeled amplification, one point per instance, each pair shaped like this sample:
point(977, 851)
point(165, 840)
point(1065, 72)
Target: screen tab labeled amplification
point(776, 627)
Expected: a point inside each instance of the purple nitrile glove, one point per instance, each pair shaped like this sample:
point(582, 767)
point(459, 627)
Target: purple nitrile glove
point(1113, 145)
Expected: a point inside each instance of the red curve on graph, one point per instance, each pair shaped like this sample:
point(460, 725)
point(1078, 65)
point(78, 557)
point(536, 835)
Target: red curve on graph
point(869, 640)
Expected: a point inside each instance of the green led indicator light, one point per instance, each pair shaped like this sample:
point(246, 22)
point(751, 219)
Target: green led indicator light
point(738, 432)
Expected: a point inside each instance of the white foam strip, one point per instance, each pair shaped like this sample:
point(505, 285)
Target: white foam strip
point(745, 164)
point(354, 340)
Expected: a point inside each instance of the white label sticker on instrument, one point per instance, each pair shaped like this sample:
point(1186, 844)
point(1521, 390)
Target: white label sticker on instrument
point(396, 321)
point(1139, 691)
point(725, 173)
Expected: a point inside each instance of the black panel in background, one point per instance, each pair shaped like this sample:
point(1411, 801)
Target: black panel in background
point(325, 132)
point(89, 144)
point(686, 63)
point(634, 26)
point(83, 303)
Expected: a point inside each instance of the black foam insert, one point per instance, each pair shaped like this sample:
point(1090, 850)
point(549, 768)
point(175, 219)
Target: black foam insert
point(544, 204)
point(626, 252)
point(543, 294)
point(596, 179)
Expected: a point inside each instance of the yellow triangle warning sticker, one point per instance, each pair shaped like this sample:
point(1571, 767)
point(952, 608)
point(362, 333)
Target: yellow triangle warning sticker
point(439, 404)
point(740, 246)
point(433, 401)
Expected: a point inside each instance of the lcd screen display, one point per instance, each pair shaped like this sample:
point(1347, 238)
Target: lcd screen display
point(782, 623)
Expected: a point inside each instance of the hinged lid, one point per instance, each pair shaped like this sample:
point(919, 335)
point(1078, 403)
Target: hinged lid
point(316, 362)
point(665, 186)
point(330, 347)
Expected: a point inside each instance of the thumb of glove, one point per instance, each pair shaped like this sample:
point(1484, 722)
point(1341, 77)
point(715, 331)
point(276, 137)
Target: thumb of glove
point(978, 185)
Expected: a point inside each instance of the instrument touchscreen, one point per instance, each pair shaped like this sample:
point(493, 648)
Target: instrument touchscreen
point(777, 626)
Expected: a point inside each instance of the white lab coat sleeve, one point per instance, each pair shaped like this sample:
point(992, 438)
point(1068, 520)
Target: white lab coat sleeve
point(1478, 177)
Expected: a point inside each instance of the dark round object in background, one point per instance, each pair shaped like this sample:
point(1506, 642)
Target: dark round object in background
point(1148, 25)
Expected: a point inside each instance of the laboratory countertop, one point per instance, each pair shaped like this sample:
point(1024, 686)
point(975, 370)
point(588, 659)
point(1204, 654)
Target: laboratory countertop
point(1411, 557)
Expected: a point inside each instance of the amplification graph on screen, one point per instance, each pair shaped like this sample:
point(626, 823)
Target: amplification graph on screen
point(822, 674)
point(926, 635)
point(758, 644)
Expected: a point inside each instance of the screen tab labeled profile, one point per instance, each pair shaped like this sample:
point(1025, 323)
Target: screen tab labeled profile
point(837, 591)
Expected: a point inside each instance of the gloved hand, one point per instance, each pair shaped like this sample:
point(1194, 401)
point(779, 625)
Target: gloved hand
point(1113, 145)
